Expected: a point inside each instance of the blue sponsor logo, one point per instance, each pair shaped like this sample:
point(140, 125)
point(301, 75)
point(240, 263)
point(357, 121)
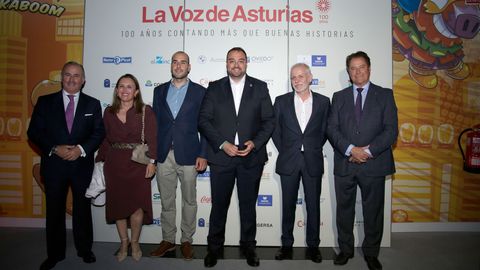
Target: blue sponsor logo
point(319, 60)
point(106, 83)
point(156, 196)
point(156, 221)
point(161, 60)
point(299, 201)
point(204, 174)
point(264, 200)
point(315, 81)
point(117, 60)
point(201, 222)
point(148, 83)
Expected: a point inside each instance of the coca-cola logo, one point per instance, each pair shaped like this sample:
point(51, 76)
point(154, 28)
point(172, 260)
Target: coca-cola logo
point(206, 199)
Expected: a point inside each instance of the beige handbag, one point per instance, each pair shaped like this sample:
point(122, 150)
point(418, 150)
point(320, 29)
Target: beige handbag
point(139, 153)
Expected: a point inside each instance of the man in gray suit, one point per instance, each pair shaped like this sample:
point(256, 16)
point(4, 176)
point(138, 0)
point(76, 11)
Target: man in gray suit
point(362, 127)
point(299, 135)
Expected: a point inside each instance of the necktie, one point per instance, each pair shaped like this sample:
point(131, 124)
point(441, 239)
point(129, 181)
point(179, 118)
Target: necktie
point(69, 112)
point(358, 105)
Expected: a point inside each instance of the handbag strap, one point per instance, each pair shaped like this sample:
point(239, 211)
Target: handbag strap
point(143, 124)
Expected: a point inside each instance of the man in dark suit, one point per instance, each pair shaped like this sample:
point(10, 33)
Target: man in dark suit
point(181, 153)
point(237, 119)
point(299, 135)
point(362, 127)
point(67, 127)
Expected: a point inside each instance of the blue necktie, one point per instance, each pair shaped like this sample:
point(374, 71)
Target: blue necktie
point(358, 105)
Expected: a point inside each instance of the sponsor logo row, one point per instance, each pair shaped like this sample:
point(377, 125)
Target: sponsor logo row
point(312, 60)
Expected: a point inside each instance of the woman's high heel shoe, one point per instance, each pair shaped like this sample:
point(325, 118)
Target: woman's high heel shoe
point(136, 251)
point(123, 250)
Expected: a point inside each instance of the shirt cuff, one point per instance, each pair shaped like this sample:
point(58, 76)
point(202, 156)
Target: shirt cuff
point(52, 151)
point(221, 145)
point(83, 151)
point(349, 150)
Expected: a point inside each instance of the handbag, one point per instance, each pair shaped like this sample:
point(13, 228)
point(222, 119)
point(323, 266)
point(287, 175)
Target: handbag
point(139, 153)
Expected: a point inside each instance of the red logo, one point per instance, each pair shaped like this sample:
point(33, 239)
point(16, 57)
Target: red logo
point(323, 5)
point(206, 199)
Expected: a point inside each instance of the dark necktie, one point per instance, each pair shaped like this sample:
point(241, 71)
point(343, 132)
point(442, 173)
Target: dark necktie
point(69, 112)
point(358, 105)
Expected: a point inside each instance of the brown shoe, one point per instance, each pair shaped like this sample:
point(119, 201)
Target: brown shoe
point(187, 250)
point(162, 249)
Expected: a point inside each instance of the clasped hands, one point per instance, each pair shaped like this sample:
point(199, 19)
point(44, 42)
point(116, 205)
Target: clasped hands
point(359, 154)
point(68, 152)
point(232, 150)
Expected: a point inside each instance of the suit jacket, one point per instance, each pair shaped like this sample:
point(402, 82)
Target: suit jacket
point(219, 122)
point(378, 128)
point(48, 128)
point(289, 138)
point(182, 131)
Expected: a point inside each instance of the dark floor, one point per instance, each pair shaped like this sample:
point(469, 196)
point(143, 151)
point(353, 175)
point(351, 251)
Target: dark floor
point(24, 248)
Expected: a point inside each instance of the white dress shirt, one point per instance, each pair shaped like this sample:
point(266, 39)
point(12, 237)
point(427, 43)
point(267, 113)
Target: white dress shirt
point(237, 91)
point(303, 110)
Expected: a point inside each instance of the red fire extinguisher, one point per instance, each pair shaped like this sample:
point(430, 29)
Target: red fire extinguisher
point(471, 159)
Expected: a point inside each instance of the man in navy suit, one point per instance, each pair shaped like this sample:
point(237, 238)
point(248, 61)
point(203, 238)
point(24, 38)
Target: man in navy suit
point(67, 127)
point(237, 119)
point(300, 133)
point(362, 127)
point(181, 153)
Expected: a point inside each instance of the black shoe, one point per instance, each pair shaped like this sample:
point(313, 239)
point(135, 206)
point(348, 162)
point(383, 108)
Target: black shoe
point(342, 258)
point(313, 253)
point(373, 263)
point(251, 256)
point(88, 257)
point(284, 253)
point(210, 260)
point(50, 263)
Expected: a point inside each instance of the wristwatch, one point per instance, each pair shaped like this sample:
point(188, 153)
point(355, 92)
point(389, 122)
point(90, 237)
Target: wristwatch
point(153, 161)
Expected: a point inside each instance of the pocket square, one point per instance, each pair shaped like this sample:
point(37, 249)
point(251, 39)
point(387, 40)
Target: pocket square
point(88, 114)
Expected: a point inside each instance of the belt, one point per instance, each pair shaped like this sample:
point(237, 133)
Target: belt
point(124, 145)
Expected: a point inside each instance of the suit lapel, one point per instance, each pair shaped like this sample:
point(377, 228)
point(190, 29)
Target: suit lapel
point(350, 105)
point(246, 94)
point(78, 112)
point(163, 98)
point(229, 96)
point(60, 111)
point(369, 101)
point(291, 112)
point(314, 111)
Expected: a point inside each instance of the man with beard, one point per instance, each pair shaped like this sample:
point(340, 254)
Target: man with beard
point(181, 153)
point(237, 119)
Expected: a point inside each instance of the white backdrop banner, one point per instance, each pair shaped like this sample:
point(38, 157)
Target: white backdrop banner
point(139, 37)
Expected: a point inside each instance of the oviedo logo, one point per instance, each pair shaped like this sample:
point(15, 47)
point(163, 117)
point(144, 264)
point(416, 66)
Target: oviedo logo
point(215, 14)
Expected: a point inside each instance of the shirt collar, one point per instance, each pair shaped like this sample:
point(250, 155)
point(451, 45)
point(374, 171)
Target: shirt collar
point(65, 94)
point(173, 85)
point(241, 82)
point(365, 87)
point(308, 100)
